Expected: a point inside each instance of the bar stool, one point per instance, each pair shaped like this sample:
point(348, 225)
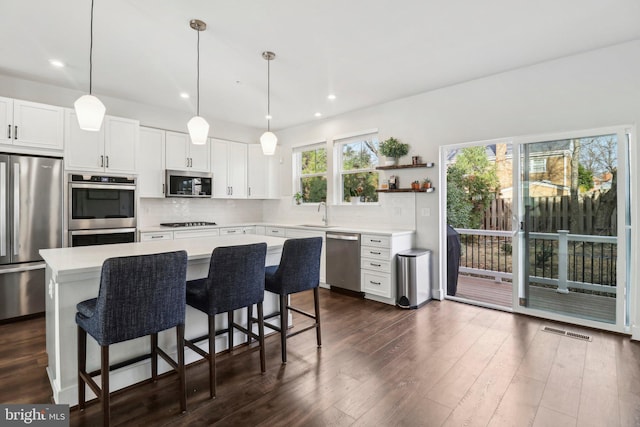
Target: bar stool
point(235, 280)
point(138, 296)
point(299, 270)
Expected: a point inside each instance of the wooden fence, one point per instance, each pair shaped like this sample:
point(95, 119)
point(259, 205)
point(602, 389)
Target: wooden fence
point(548, 215)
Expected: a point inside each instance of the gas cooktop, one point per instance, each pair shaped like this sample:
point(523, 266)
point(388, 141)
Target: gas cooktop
point(187, 224)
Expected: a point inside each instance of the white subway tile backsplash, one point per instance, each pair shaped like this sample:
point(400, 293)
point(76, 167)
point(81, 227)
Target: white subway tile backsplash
point(154, 211)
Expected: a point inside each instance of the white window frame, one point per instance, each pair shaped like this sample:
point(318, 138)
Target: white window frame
point(297, 167)
point(338, 144)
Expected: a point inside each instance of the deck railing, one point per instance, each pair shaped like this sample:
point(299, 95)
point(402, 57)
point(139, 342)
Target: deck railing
point(559, 260)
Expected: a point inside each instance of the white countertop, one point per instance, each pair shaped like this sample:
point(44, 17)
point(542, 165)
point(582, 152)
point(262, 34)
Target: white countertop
point(90, 257)
point(319, 227)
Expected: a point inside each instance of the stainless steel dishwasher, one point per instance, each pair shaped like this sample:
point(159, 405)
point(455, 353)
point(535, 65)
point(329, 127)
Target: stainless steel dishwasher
point(343, 261)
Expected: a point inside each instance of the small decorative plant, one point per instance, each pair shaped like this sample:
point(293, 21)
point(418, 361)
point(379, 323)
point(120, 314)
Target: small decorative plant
point(426, 183)
point(298, 196)
point(392, 147)
point(415, 185)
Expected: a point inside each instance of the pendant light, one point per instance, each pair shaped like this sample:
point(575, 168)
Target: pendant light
point(198, 126)
point(268, 140)
point(89, 109)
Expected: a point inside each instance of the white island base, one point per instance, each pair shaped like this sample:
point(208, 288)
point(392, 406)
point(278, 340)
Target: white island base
point(73, 275)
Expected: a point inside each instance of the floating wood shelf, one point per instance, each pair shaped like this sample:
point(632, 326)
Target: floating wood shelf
point(407, 190)
point(419, 165)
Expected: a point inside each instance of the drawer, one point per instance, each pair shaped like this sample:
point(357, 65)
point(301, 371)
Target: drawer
point(274, 231)
point(296, 233)
point(192, 234)
point(376, 253)
point(376, 283)
point(230, 230)
point(249, 230)
point(375, 265)
point(377, 241)
point(165, 235)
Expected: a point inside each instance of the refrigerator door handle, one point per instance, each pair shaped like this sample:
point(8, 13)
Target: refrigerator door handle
point(16, 207)
point(3, 209)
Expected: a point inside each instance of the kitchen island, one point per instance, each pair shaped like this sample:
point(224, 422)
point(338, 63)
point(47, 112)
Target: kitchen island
point(73, 275)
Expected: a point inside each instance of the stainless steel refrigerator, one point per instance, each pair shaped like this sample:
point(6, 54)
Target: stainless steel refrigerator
point(30, 220)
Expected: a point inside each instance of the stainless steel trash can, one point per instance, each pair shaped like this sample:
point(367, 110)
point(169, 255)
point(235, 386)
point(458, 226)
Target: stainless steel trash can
point(414, 278)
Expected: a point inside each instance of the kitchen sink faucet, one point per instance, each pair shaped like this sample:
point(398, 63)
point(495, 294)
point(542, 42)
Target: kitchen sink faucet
point(325, 218)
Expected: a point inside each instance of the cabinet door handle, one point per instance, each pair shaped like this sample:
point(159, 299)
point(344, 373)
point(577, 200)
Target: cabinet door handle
point(101, 161)
point(107, 165)
point(231, 190)
point(8, 131)
point(162, 188)
point(249, 192)
point(187, 159)
point(15, 132)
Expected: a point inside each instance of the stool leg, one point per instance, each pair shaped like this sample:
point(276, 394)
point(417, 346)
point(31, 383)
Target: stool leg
point(212, 357)
point(154, 357)
point(181, 368)
point(316, 304)
point(249, 323)
point(263, 364)
point(284, 324)
point(104, 376)
point(230, 326)
point(82, 366)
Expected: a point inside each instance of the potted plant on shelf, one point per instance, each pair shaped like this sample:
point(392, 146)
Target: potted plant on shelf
point(426, 183)
point(298, 196)
point(415, 185)
point(393, 148)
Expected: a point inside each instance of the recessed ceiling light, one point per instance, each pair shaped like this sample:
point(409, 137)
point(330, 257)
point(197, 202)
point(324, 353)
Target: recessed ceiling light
point(184, 95)
point(331, 97)
point(56, 63)
point(318, 114)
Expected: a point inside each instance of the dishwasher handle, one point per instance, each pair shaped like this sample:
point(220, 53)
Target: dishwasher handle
point(352, 237)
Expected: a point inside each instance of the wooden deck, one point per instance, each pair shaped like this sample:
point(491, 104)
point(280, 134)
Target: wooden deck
point(585, 306)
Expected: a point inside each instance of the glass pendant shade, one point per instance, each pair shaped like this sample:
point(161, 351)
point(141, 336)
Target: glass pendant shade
point(198, 130)
point(90, 112)
point(268, 141)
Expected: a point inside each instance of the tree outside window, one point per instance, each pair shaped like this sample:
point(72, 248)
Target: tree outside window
point(358, 161)
point(312, 174)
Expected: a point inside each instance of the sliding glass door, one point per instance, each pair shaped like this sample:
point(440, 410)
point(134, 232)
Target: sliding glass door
point(574, 222)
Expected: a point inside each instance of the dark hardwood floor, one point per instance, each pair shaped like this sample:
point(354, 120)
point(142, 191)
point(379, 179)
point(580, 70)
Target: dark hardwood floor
point(445, 364)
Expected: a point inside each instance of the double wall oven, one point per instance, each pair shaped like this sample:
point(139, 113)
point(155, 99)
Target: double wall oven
point(102, 209)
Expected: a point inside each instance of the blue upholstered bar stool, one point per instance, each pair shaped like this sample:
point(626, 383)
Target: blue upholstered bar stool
point(299, 270)
point(235, 281)
point(138, 296)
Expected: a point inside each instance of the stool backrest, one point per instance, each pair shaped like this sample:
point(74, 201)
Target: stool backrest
point(236, 277)
point(299, 267)
point(141, 295)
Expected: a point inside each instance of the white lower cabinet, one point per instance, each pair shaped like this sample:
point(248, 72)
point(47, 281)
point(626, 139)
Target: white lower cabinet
point(378, 264)
point(238, 230)
point(274, 231)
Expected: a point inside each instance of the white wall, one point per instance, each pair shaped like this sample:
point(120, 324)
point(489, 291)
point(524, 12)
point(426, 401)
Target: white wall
point(595, 89)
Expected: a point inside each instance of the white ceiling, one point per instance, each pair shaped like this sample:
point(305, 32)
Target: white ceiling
point(365, 51)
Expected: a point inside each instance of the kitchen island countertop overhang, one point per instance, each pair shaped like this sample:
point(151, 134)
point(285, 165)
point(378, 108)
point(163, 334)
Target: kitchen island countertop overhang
point(73, 275)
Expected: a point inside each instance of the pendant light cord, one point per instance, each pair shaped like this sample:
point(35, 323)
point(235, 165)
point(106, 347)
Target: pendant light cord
point(198, 78)
point(269, 95)
point(91, 52)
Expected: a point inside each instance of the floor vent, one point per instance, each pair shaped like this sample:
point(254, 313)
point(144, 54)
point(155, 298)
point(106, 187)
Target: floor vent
point(566, 333)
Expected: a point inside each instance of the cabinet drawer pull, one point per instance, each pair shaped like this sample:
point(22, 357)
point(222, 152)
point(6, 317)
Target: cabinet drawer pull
point(156, 237)
point(375, 253)
point(376, 241)
point(374, 283)
point(231, 231)
point(375, 265)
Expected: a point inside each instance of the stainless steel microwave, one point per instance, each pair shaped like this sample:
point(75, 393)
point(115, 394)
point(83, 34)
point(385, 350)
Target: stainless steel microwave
point(188, 184)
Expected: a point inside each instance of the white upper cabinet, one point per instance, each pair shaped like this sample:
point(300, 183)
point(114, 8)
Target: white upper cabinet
point(151, 152)
point(262, 173)
point(112, 149)
point(30, 124)
point(229, 167)
point(182, 155)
